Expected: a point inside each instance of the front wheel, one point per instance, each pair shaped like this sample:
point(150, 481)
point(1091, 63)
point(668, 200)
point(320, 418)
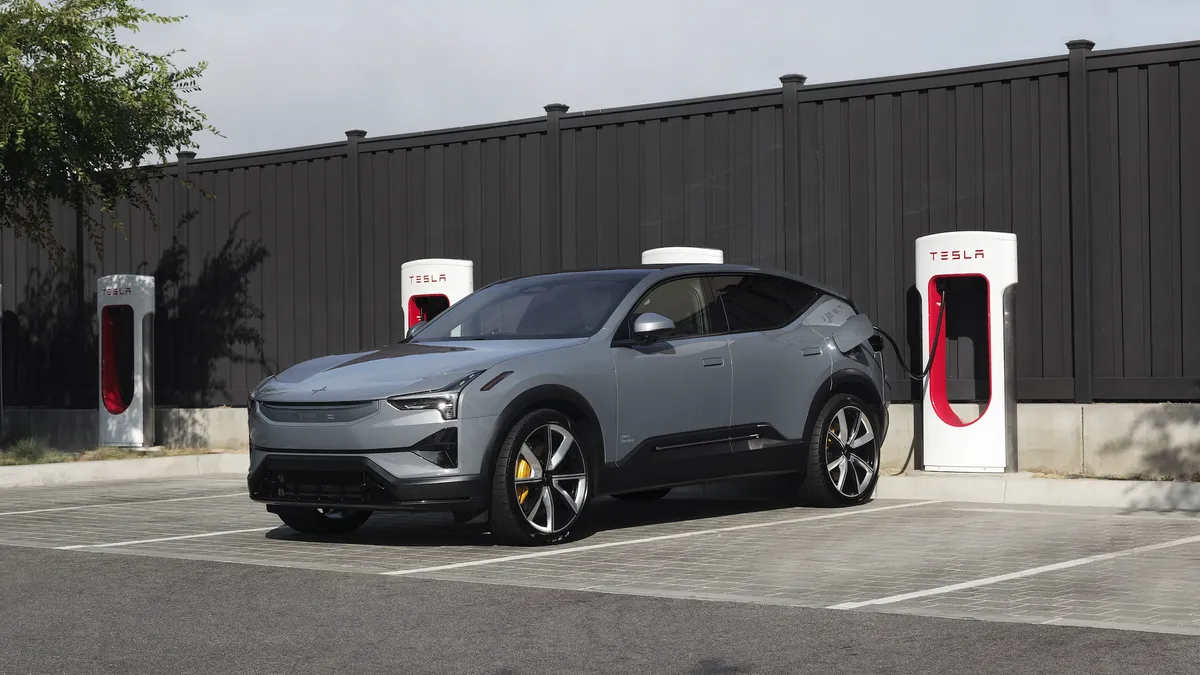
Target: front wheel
point(843, 453)
point(542, 480)
point(314, 520)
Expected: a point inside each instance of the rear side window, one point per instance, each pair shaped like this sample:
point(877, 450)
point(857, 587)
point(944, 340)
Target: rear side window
point(758, 302)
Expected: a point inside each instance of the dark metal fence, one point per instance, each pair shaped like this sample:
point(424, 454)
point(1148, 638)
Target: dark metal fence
point(1092, 158)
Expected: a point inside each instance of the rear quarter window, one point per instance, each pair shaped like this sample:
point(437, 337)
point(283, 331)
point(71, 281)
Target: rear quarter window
point(761, 302)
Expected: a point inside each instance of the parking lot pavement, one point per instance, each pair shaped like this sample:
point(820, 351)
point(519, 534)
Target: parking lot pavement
point(1088, 567)
point(66, 612)
point(76, 496)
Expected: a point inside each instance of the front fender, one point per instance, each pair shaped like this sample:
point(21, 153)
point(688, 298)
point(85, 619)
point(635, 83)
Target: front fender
point(579, 378)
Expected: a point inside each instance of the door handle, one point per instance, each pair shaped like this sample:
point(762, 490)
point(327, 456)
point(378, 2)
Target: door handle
point(811, 351)
point(714, 361)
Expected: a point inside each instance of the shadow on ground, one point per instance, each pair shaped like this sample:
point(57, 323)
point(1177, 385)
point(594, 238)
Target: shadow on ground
point(603, 515)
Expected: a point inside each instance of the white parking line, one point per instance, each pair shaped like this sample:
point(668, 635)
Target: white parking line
point(153, 541)
point(1016, 575)
point(645, 540)
point(104, 506)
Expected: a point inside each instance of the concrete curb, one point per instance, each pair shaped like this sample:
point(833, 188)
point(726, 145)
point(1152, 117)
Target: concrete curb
point(1029, 490)
point(66, 473)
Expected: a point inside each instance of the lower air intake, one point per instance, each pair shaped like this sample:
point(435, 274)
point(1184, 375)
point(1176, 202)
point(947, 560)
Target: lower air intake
point(316, 487)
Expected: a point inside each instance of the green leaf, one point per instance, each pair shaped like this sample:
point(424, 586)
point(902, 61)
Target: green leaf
point(80, 113)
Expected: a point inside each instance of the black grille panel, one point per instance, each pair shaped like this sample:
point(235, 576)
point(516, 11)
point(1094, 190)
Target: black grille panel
point(336, 413)
point(317, 487)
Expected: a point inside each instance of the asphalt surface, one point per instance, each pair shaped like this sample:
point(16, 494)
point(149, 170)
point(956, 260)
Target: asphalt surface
point(80, 612)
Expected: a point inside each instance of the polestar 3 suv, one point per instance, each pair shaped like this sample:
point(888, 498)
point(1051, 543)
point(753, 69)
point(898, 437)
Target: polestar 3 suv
point(533, 396)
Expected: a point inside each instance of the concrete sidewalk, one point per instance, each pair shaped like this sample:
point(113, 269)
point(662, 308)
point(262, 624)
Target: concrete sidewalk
point(67, 473)
point(1024, 488)
point(998, 488)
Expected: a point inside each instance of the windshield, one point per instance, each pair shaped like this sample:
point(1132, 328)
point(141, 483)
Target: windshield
point(542, 307)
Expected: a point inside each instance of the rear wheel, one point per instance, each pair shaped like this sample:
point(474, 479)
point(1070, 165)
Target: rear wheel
point(315, 520)
point(542, 480)
point(843, 453)
point(643, 495)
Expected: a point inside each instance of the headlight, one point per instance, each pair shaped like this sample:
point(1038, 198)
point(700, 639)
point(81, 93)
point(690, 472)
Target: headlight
point(444, 400)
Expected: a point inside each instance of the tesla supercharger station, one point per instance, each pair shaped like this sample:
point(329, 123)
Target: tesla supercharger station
point(125, 308)
point(674, 255)
point(975, 275)
point(429, 286)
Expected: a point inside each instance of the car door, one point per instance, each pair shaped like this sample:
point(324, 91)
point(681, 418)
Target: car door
point(777, 360)
point(674, 394)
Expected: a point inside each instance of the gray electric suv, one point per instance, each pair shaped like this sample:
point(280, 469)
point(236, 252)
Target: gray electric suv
point(532, 396)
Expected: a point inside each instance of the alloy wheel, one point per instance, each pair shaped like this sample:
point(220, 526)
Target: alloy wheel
point(550, 478)
point(851, 451)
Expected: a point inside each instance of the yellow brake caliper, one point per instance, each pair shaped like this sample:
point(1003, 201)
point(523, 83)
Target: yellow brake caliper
point(523, 471)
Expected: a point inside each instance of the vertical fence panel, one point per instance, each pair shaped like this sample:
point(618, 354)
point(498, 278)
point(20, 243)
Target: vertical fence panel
point(627, 226)
point(650, 185)
point(530, 204)
point(1189, 214)
point(453, 202)
point(388, 277)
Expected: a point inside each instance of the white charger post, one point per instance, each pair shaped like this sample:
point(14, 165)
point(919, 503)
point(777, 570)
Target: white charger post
point(970, 272)
point(125, 308)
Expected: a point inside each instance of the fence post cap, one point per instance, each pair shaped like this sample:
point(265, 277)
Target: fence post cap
point(556, 107)
point(186, 154)
point(355, 133)
point(1080, 44)
point(793, 77)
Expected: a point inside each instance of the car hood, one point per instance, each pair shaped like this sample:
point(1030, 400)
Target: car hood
point(400, 368)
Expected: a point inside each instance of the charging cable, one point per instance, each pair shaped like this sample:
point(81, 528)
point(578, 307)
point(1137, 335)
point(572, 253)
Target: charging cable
point(937, 334)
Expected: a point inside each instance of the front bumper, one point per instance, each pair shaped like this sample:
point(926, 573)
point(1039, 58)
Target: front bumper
point(359, 482)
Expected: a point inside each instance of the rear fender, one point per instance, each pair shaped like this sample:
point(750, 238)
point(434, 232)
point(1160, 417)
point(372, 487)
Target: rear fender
point(846, 379)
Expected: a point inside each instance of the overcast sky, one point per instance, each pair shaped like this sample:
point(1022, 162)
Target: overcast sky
point(297, 72)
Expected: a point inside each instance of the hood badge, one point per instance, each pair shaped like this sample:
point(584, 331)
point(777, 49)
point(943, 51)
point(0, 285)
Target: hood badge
point(317, 391)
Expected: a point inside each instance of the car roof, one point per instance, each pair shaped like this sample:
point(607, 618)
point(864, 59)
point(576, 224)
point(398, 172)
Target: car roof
point(666, 270)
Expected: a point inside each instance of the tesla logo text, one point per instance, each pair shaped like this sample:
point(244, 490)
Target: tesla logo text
point(317, 391)
point(118, 291)
point(956, 255)
point(426, 278)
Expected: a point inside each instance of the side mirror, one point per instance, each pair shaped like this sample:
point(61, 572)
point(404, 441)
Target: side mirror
point(649, 327)
point(416, 328)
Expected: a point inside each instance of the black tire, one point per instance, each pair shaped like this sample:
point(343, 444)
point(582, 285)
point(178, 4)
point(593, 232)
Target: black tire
point(820, 485)
point(313, 520)
point(508, 512)
point(643, 495)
